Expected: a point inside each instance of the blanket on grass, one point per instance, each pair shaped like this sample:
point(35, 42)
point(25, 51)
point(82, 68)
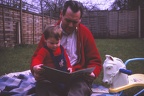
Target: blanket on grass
point(17, 84)
point(23, 84)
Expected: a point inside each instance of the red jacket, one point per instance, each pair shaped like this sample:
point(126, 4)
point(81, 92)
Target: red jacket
point(43, 57)
point(88, 55)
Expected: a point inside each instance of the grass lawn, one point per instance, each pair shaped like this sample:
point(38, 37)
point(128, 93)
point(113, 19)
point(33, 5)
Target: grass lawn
point(18, 58)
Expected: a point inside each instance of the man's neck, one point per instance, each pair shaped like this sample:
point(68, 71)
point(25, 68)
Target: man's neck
point(64, 32)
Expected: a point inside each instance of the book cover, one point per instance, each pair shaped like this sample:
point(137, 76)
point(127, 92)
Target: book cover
point(54, 75)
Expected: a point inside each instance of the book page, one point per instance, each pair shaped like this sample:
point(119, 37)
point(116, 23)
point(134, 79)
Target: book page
point(55, 75)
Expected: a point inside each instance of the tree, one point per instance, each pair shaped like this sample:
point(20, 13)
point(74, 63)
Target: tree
point(126, 4)
point(52, 7)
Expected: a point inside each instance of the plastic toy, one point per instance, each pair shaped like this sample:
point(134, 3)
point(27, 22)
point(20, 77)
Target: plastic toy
point(118, 77)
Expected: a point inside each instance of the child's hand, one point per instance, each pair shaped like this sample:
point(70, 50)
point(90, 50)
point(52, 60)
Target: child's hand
point(70, 70)
point(37, 72)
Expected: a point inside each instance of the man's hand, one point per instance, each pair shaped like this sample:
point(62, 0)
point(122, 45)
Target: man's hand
point(38, 72)
point(92, 74)
point(89, 77)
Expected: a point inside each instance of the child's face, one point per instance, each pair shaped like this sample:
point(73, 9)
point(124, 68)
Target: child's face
point(52, 43)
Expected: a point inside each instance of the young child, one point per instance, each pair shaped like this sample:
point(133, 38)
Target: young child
point(52, 54)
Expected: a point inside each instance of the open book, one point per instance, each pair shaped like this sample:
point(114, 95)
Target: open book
point(58, 76)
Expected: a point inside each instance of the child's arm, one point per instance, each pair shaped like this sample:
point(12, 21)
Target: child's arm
point(37, 63)
point(37, 72)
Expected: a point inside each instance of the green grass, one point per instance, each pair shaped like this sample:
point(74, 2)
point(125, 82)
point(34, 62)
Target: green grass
point(18, 58)
point(15, 59)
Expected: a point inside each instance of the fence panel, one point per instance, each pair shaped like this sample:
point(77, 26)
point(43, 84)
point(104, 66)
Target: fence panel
point(1, 28)
point(112, 24)
point(10, 34)
point(103, 24)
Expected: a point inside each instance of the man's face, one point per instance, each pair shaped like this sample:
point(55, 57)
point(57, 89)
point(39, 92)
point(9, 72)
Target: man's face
point(70, 20)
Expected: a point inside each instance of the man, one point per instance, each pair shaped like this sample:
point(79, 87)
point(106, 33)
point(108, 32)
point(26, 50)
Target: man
point(80, 47)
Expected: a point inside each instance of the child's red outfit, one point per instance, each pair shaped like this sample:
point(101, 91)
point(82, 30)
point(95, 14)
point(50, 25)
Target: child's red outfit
point(55, 59)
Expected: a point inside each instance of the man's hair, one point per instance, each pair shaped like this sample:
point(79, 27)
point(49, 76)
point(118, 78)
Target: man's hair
point(53, 32)
point(74, 5)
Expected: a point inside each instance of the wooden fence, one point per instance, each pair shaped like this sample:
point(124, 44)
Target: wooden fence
point(10, 34)
point(103, 24)
point(112, 24)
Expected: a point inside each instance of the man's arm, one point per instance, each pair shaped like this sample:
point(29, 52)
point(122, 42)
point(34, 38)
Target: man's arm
point(91, 53)
point(93, 58)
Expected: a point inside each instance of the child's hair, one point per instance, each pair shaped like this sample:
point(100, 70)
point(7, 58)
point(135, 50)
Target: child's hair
point(53, 31)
